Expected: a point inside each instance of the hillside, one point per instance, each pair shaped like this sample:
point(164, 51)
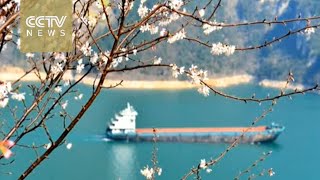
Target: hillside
point(297, 53)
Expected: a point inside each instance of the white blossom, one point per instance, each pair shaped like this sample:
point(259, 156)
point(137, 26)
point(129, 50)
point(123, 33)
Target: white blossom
point(57, 68)
point(203, 74)
point(159, 171)
point(135, 51)
point(47, 146)
point(98, 4)
point(175, 4)
point(208, 28)
point(66, 83)
point(178, 36)
point(79, 97)
point(166, 21)
point(64, 105)
point(127, 5)
point(18, 43)
point(203, 164)
point(119, 59)
point(18, 96)
point(204, 90)
point(175, 71)
point(181, 70)
point(147, 173)
point(86, 49)
point(157, 61)
point(60, 56)
point(104, 57)
point(194, 74)
point(115, 62)
point(17, 1)
point(58, 89)
point(201, 12)
point(94, 58)
point(80, 66)
point(145, 27)
point(309, 30)
point(209, 170)
point(197, 75)
point(69, 146)
point(219, 48)
point(3, 102)
point(153, 29)
point(2, 20)
point(30, 55)
point(5, 89)
point(163, 32)
point(142, 11)
point(4, 99)
point(8, 37)
point(271, 172)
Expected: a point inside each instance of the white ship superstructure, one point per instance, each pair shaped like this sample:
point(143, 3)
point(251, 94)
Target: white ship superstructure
point(125, 121)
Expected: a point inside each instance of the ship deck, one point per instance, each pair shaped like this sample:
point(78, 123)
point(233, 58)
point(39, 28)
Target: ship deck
point(204, 130)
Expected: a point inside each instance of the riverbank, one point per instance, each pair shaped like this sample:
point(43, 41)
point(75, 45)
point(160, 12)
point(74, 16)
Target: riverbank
point(14, 73)
point(280, 85)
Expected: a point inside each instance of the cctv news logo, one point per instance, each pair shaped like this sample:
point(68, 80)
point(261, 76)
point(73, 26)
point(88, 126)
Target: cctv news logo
point(38, 23)
point(46, 25)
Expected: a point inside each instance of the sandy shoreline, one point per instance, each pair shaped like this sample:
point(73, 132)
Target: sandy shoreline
point(14, 73)
point(280, 85)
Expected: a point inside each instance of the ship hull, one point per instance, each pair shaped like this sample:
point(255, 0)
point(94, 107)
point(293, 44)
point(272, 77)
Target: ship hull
point(202, 135)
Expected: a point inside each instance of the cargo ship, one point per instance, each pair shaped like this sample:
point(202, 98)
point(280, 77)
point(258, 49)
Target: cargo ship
point(123, 128)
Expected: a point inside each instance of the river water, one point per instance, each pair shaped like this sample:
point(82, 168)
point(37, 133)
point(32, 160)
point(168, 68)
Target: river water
point(295, 153)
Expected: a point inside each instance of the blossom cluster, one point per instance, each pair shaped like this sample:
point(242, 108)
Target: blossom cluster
point(197, 77)
point(151, 28)
point(7, 8)
point(165, 17)
point(178, 36)
point(168, 18)
point(212, 26)
point(142, 10)
point(58, 64)
point(149, 173)
point(203, 165)
point(219, 48)
point(175, 4)
point(128, 5)
point(204, 90)
point(202, 12)
point(176, 71)
point(271, 172)
point(48, 146)
point(6, 91)
point(86, 49)
point(309, 30)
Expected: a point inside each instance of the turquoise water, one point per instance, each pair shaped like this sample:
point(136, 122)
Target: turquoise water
point(295, 153)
